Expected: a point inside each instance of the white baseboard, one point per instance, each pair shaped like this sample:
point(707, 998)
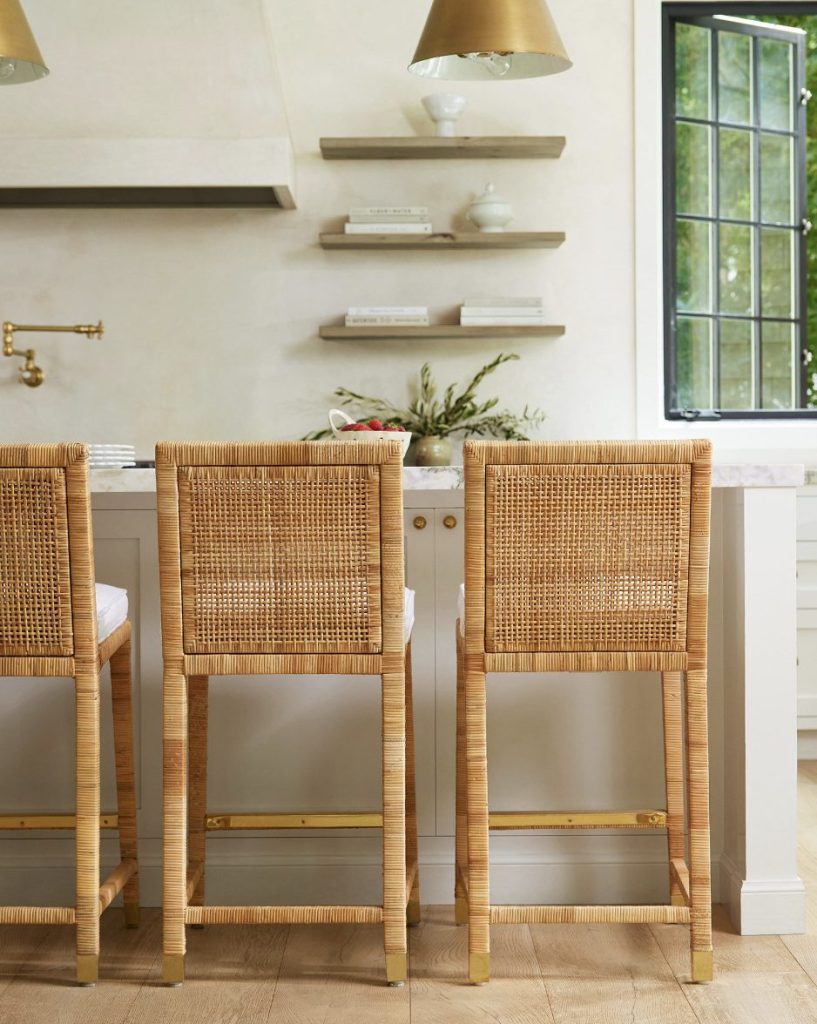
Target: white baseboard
point(806, 741)
point(768, 907)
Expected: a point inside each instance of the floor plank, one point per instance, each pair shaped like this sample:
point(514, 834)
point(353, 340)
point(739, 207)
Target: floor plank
point(231, 973)
point(600, 974)
point(337, 974)
point(440, 992)
point(44, 990)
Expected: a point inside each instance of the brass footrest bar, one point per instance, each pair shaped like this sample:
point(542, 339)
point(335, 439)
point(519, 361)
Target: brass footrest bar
point(194, 873)
point(115, 883)
point(37, 915)
point(48, 821)
point(577, 819)
point(590, 915)
point(680, 872)
point(223, 822)
point(284, 915)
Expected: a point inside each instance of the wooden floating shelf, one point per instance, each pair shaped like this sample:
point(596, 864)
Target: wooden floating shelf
point(492, 147)
point(384, 332)
point(448, 240)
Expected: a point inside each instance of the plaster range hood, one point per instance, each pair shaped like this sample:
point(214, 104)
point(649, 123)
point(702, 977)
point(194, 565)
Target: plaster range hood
point(150, 104)
point(133, 172)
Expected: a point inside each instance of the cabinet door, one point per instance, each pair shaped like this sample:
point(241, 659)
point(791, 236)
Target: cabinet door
point(450, 560)
point(420, 576)
point(807, 608)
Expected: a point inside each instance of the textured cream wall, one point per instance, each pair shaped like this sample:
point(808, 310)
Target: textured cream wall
point(212, 315)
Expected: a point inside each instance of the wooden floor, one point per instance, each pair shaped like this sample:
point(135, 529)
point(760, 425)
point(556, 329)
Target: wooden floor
point(543, 974)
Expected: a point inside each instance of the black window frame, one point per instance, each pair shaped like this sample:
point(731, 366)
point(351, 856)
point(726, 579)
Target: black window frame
point(672, 13)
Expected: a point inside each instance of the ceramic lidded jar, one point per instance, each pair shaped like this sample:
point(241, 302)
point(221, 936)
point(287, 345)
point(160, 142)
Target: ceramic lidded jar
point(490, 212)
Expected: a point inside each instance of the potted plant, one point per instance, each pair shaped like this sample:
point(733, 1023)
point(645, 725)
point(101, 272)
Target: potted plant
point(433, 419)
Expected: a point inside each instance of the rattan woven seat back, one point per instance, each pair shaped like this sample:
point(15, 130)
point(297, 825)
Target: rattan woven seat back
point(281, 558)
point(48, 627)
point(587, 557)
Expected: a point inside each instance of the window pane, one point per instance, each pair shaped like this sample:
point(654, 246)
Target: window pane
point(692, 259)
point(736, 364)
point(775, 84)
point(735, 269)
point(692, 46)
point(776, 278)
point(776, 181)
point(734, 78)
point(692, 168)
point(735, 156)
point(777, 348)
point(693, 366)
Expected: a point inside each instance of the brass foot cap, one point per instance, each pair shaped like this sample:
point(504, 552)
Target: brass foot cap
point(396, 968)
point(173, 969)
point(413, 913)
point(479, 968)
point(702, 966)
point(87, 968)
point(460, 910)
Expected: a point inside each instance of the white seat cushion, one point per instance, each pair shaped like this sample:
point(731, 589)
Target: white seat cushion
point(461, 608)
point(111, 609)
point(408, 614)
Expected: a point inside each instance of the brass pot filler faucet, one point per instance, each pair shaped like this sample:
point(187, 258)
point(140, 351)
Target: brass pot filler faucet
point(30, 373)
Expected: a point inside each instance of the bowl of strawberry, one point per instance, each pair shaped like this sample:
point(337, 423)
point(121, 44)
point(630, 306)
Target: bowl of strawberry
point(344, 428)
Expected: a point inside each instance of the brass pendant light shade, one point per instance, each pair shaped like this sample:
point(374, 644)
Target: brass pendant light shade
point(20, 57)
point(485, 39)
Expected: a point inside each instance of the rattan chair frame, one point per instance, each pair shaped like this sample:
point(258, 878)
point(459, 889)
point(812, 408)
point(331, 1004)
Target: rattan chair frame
point(188, 670)
point(69, 613)
point(690, 884)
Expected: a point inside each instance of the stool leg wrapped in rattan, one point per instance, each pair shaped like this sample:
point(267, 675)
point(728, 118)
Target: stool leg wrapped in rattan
point(587, 557)
point(282, 559)
point(48, 627)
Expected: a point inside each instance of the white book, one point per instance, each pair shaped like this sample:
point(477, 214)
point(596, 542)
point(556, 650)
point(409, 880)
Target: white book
point(391, 218)
point(387, 311)
point(504, 302)
point(503, 321)
point(387, 212)
point(507, 311)
point(420, 228)
point(386, 321)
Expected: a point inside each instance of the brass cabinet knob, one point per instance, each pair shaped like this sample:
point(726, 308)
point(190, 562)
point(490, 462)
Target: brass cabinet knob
point(450, 522)
point(420, 522)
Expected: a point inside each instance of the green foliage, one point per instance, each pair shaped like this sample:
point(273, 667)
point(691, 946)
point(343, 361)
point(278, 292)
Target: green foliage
point(454, 413)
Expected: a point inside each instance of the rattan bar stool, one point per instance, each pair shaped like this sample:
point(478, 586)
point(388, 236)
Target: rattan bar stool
point(55, 621)
point(587, 558)
point(282, 559)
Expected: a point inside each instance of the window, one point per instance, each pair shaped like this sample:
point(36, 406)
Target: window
point(735, 228)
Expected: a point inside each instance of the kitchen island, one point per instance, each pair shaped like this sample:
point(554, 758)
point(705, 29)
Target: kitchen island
point(559, 741)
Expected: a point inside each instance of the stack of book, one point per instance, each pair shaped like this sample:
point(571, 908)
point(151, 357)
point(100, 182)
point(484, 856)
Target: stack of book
point(501, 312)
point(387, 316)
point(388, 220)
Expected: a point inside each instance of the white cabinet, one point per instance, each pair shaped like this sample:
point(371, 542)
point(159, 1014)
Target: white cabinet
point(807, 617)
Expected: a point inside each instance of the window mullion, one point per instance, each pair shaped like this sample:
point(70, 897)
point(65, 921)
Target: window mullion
point(715, 233)
point(757, 254)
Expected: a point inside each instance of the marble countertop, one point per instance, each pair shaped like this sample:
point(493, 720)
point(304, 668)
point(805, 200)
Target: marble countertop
point(450, 478)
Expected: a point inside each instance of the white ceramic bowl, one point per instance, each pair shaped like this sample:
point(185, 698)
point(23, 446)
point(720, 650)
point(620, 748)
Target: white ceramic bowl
point(359, 436)
point(444, 108)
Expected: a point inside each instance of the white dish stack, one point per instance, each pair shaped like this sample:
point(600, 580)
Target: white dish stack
point(111, 456)
point(388, 220)
point(387, 316)
point(503, 312)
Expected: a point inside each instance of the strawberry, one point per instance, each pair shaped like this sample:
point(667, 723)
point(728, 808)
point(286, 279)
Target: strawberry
point(347, 426)
point(360, 426)
point(393, 426)
point(375, 425)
